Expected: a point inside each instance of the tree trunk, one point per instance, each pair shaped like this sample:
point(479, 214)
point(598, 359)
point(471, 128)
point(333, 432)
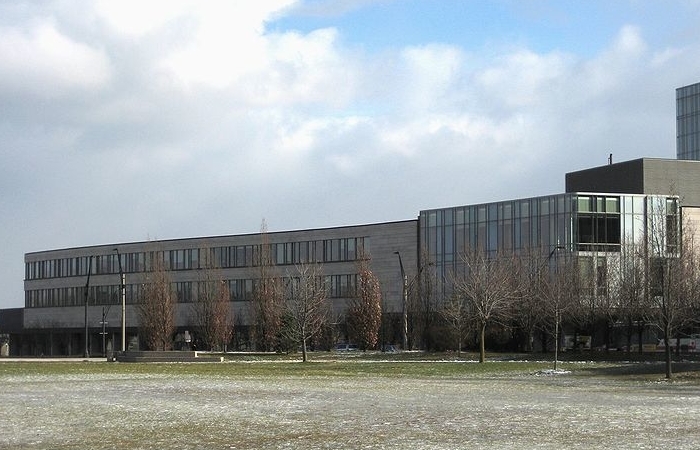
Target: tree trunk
point(607, 337)
point(667, 351)
point(629, 335)
point(545, 341)
point(640, 338)
point(303, 350)
point(482, 347)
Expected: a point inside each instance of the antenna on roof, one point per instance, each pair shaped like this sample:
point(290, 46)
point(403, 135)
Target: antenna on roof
point(610, 159)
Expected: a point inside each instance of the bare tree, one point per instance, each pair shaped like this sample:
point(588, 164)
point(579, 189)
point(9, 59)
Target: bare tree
point(456, 315)
point(560, 294)
point(633, 304)
point(672, 267)
point(157, 306)
point(610, 301)
point(268, 298)
point(365, 312)
point(212, 307)
point(587, 301)
point(528, 311)
point(306, 305)
point(422, 308)
point(489, 286)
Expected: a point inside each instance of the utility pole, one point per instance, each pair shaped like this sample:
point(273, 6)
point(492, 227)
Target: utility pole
point(557, 312)
point(86, 354)
point(122, 291)
point(404, 302)
point(104, 331)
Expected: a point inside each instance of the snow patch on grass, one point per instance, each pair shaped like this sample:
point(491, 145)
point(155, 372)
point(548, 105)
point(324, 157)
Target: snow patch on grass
point(185, 410)
point(552, 372)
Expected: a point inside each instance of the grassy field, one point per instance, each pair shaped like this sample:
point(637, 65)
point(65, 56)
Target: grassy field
point(686, 372)
point(352, 364)
point(348, 401)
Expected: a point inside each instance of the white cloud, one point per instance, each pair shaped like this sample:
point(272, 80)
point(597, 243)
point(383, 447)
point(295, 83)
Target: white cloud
point(429, 73)
point(226, 43)
point(522, 79)
point(39, 60)
point(202, 122)
point(136, 18)
point(308, 69)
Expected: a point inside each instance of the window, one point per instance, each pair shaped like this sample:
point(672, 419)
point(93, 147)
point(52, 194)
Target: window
point(584, 204)
point(183, 291)
point(240, 256)
point(352, 252)
point(598, 232)
point(612, 204)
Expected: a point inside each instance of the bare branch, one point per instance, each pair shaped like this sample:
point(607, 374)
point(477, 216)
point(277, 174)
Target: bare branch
point(307, 310)
point(157, 306)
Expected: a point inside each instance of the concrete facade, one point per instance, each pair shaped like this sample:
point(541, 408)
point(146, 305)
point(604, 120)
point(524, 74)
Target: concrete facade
point(641, 176)
point(55, 280)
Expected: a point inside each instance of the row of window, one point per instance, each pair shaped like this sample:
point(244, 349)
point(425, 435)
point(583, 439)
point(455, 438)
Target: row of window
point(339, 286)
point(496, 235)
point(591, 223)
point(235, 256)
point(532, 208)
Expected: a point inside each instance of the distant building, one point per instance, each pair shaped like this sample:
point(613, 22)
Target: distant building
point(688, 122)
point(55, 280)
point(603, 210)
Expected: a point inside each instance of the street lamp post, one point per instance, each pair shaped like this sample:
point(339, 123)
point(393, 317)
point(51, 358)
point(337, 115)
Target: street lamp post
point(122, 291)
point(556, 315)
point(103, 323)
point(87, 288)
point(404, 302)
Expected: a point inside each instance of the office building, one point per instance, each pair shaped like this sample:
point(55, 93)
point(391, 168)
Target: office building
point(53, 319)
point(603, 211)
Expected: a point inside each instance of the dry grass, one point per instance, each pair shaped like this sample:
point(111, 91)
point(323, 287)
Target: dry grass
point(341, 402)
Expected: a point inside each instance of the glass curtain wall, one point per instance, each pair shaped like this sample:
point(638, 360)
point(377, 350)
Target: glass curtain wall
point(597, 229)
point(688, 122)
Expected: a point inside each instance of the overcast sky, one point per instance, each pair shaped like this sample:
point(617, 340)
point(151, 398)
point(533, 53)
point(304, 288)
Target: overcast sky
point(135, 120)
